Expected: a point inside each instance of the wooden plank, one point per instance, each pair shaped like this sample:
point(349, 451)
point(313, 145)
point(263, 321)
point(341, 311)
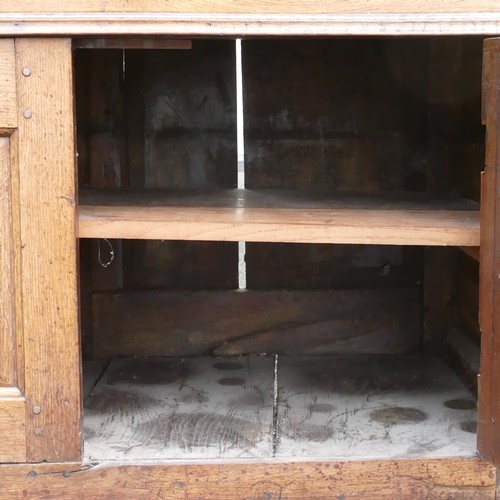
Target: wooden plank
point(291, 17)
point(294, 266)
point(132, 43)
point(254, 6)
point(182, 409)
point(488, 388)
point(244, 215)
point(8, 342)
point(372, 407)
point(466, 350)
point(223, 322)
point(48, 246)
point(13, 425)
point(414, 478)
point(8, 109)
point(439, 273)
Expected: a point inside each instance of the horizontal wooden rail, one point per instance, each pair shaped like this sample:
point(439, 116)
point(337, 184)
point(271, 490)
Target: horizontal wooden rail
point(279, 216)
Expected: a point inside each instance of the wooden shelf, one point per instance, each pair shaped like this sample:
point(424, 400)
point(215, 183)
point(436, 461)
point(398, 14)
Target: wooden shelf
point(279, 216)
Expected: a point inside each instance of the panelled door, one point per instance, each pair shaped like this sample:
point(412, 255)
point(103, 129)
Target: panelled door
point(39, 347)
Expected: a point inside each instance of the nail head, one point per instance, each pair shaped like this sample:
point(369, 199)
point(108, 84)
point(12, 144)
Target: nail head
point(27, 113)
point(38, 432)
point(26, 71)
point(37, 410)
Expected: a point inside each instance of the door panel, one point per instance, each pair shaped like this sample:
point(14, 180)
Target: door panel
point(39, 336)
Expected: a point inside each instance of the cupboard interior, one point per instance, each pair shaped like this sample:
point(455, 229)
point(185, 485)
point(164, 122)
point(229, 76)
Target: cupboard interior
point(349, 326)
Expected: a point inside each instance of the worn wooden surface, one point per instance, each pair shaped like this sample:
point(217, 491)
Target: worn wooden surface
point(349, 407)
point(244, 215)
point(181, 408)
point(232, 322)
point(329, 129)
point(8, 109)
point(13, 426)
point(372, 408)
point(8, 343)
point(489, 403)
point(182, 135)
point(448, 479)
point(48, 245)
point(290, 17)
point(255, 6)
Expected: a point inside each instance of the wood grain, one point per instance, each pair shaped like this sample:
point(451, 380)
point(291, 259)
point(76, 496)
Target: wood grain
point(181, 409)
point(372, 407)
point(8, 109)
point(181, 134)
point(255, 6)
point(48, 245)
point(231, 322)
point(243, 215)
point(472, 479)
point(13, 425)
point(488, 388)
point(8, 346)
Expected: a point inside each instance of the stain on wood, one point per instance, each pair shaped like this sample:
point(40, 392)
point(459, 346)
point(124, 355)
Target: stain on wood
point(222, 323)
point(444, 479)
point(164, 408)
point(379, 407)
point(355, 407)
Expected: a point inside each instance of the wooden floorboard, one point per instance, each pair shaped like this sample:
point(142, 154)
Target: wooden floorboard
point(280, 216)
point(328, 407)
point(372, 407)
point(181, 408)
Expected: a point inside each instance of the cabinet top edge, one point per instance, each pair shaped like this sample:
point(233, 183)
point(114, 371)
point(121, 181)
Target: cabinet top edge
point(241, 24)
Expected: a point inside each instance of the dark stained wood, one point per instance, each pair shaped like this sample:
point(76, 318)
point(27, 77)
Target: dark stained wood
point(467, 291)
point(440, 272)
point(106, 143)
point(375, 407)
point(221, 323)
point(472, 479)
point(326, 127)
point(182, 131)
point(489, 308)
point(131, 43)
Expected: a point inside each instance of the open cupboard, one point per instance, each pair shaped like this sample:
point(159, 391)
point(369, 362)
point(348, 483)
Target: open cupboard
point(341, 356)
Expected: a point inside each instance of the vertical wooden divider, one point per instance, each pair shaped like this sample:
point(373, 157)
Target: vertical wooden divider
point(489, 269)
point(49, 248)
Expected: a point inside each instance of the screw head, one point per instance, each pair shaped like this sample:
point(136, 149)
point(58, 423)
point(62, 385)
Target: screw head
point(38, 432)
point(27, 113)
point(26, 71)
point(37, 410)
